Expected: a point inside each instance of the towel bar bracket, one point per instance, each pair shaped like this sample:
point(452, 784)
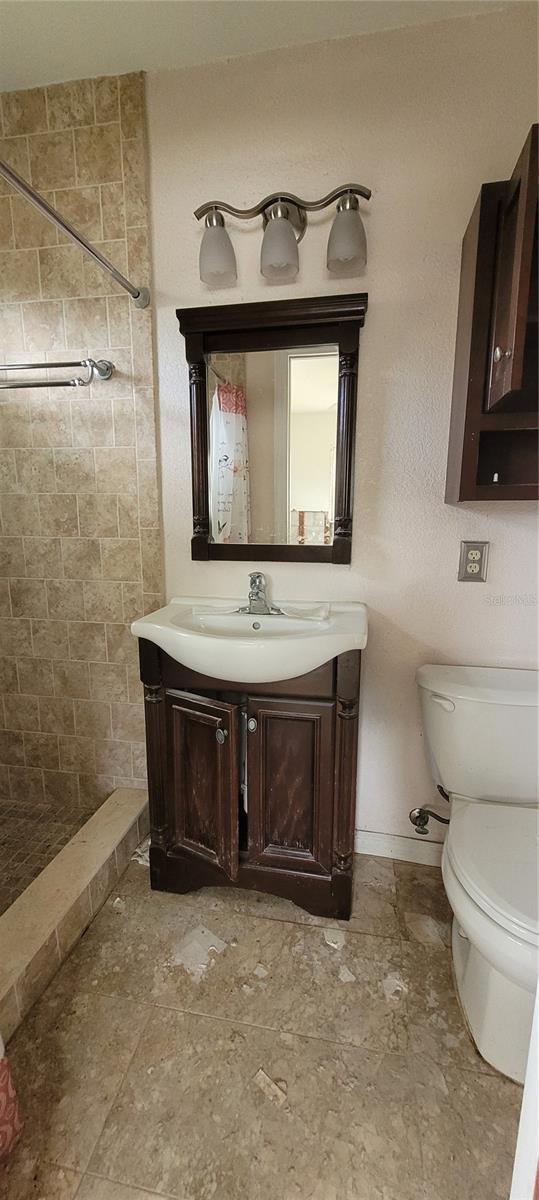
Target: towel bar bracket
point(102, 369)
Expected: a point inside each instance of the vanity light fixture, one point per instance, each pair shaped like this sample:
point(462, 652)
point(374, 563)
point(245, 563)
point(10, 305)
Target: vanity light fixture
point(217, 261)
point(284, 218)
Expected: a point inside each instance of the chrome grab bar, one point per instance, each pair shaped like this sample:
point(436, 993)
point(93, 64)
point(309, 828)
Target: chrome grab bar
point(103, 369)
point(141, 296)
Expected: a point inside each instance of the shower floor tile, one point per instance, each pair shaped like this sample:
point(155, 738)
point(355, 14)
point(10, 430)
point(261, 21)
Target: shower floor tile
point(30, 837)
point(220, 1045)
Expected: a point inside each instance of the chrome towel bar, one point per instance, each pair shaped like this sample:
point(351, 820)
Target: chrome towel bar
point(102, 369)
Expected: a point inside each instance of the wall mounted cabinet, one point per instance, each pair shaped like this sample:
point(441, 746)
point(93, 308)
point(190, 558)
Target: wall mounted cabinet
point(253, 785)
point(494, 418)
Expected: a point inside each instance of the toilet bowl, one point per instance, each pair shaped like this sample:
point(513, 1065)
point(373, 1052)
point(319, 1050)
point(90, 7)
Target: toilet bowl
point(481, 731)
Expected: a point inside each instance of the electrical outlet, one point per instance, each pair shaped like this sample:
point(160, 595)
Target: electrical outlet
point(473, 562)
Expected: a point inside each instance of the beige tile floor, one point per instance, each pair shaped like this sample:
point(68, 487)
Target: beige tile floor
point(299, 1059)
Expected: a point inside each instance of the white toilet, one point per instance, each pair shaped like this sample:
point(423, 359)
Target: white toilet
point(481, 731)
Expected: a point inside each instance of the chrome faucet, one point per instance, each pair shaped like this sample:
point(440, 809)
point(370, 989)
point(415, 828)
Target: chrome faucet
point(257, 599)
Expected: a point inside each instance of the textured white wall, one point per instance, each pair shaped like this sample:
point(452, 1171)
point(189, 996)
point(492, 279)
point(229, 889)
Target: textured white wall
point(423, 116)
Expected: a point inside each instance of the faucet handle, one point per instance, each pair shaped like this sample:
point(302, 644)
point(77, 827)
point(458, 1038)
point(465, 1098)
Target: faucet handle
point(257, 581)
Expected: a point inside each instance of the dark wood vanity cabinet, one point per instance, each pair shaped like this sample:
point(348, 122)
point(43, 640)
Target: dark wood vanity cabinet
point(253, 785)
point(494, 418)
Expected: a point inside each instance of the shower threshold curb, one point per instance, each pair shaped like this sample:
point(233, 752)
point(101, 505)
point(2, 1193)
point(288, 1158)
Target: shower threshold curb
point(41, 927)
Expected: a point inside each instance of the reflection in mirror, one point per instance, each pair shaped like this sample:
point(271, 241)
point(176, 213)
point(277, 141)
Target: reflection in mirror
point(272, 445)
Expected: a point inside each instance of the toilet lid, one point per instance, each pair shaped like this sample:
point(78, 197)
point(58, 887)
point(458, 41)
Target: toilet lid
point(493, 849)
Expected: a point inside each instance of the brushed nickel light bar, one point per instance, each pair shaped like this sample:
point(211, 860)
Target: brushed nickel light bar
point(140, 296)
point(284, 218)
point(103, 369)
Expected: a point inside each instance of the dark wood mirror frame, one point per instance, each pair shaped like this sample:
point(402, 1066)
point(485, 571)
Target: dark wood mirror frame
point(274, 325)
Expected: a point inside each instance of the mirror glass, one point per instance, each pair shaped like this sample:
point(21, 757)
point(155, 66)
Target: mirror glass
point(272, 441)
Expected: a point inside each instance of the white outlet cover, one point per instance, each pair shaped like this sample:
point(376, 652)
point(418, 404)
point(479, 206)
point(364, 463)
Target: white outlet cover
point(473, 562)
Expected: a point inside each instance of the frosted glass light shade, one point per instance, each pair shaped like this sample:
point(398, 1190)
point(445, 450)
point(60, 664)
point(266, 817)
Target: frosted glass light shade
point(217, 261)
point(347, 243)
point(279, 258)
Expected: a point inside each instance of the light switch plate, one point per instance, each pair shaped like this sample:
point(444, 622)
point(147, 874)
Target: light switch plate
point(473, 562)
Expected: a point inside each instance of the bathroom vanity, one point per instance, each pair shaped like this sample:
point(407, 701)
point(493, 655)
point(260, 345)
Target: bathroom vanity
point(252, 783)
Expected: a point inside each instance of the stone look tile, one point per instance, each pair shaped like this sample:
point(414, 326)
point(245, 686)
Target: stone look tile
point(9, 1019)
point(92, 718)
point(113, 758)
point(35, 470)
point(24, 1177)
point(28, 598)
point(11, 557)
point(81, 558)
point(70, 104)
point(81, 207)
point(106, 99)
point(121, 645)
point(424, 912)
point(24, 112)
point(35, 676)
point(59, 515)
point(52, 161)
point(69, 1058)
point(468, 1125)
point(50, 639)
point(30, 228)
point(103, 601)
point(94, 1188)
point(87, 641)
point(56, 715)
point(134, 165)
point(10, 327)
point(34, 979)
point(43, 322)
point(74, 922)
point(98, 516)
point(41, 750)
point(121, 559)
point(118, 318)
point(436, 1028)
point(116, 470)
point(297, 1110)
point(6, 225)
point(99, 283)
point(21, 712)
point(75, 470)
point(26, 785)
point(61, 270)
point(128, 722)
point(42, 557)
point(65, 598)
point(353, 973)
point(86, 321)
point(97, 152)
point(14, 151)
point(108, 681)
point(50, 422)
point(112, 207)
point(72, 679)
point(19, 275)
point(20, 514)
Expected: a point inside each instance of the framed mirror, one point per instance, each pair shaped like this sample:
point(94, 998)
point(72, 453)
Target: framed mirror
point(273, 410)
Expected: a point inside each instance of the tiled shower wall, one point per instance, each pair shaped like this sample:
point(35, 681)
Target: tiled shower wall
point(80, 547)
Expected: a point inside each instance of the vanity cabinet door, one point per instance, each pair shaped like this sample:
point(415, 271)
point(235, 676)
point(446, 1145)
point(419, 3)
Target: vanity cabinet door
point(290, 772)
point(202, 769)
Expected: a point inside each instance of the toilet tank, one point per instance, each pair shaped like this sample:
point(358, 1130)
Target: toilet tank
point(481, 731)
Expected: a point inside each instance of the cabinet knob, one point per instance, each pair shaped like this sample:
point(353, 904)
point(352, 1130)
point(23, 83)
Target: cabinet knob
point(220, 735)
point(252, 724)
point(499, 354)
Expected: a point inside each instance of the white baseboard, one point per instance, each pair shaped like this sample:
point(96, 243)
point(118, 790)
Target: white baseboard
point(391, 845)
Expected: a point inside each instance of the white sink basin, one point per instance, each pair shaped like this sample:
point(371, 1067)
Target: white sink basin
point(212, 637)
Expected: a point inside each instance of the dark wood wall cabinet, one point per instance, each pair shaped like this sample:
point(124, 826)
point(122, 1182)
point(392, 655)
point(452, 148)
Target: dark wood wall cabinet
point(253, 786)
point(494, 416)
